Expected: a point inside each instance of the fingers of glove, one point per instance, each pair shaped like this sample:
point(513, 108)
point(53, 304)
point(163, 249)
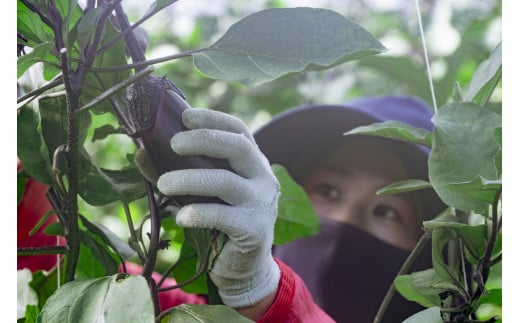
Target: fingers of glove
point(244, 229)
point(241, 153)
point(220, 183)
point(210, 119)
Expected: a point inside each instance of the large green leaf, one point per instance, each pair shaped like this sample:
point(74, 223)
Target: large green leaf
point(485, 78)
point(464, 147)
point(281, 41)
point(117, 298)
point(191, 313)
point(296, 216)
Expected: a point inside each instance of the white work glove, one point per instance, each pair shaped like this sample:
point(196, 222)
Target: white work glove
point(245, 271)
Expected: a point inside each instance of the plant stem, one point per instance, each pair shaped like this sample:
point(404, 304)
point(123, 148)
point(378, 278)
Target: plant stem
point(133, 234)
point(191, 279)
point(72, 230)
point(404, 269)
point(134, 48)
point(111, 91)
point(155, 226)
point(34, 93)
point(484, 264)
point(33, 251)
point(147, 62)
point(126, 31)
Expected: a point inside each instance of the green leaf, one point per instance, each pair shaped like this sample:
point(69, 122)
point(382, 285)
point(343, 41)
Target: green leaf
point(72, 13)
point(440, 238)
point(395, 130)
point(281, 41)
point(104, 131)
point(405, 286)
point(120, 247)
point(186, 269)
point(87, 28)
point(100, 262)
point(41, 221)
point(404, 186)
point(31, 27)
point(493, 296)
point(31, 313)
point(296, 217)
point(95, 84)
point(485, 78)
point(54, 229)
point(479, 188)
point(497, 134)
point(26, 295)
point(31, 148)
point(157, 6)
point(53, 111)
point(40, 53)
point(188, 313)
point(423, 287)
point(473, 236)
point(119, 298)
point(463, 148)
point(45, 284)
point(99, 186)
point(429, 315)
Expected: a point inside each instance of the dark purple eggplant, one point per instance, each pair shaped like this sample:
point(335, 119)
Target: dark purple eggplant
point(155, 108)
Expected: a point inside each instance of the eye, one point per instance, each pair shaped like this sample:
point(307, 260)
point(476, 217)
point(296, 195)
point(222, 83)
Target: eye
point(327, 191)
point(388, 213)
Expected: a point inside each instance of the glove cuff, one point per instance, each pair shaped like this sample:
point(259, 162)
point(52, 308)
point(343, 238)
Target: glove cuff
point(261, 285)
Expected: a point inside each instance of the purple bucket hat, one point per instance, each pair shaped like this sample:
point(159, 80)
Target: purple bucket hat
point(300, 136)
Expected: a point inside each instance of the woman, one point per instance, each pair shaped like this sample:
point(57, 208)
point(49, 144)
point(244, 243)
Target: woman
point(364, 237)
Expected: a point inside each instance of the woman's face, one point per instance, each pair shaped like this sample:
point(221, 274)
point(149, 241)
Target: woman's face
point(343, 188)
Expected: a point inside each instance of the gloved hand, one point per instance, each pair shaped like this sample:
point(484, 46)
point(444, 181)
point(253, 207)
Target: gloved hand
point(245, 271)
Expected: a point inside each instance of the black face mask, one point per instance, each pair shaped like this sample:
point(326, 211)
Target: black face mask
point(348, 272)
